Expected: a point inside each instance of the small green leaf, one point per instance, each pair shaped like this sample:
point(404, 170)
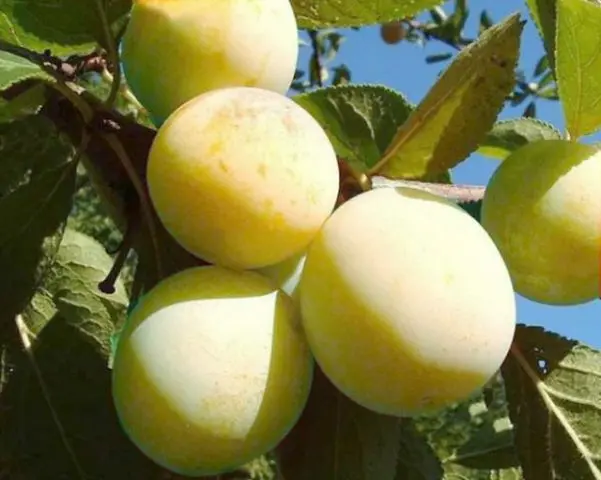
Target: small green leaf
point(37, 182)
point(62, 422)
point(360, 120)
point(578, 67)
point(355, 13)
point(336, 439)
point(63, 26)
point(15, 69)
point(460, 109)
point(509, 135)
point(553, 388)
point(541, 66)
point(543, 12)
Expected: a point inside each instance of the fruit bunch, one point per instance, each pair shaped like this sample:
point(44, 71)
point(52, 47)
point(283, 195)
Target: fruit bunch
point(404, 301)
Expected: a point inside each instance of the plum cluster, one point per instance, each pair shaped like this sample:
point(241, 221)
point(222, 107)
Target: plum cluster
point(403, 299)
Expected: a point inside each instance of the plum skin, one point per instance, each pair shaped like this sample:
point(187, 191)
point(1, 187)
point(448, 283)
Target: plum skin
point(242, 177)
point(175, 50)
point(406, 302)
point(542, 208)
point(286, 274)
point(211, 370)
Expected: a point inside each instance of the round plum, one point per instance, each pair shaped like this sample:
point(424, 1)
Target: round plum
point(406, 302)
point(242, 177)
point(174, 50)
point(542, 207)
point(211, 370)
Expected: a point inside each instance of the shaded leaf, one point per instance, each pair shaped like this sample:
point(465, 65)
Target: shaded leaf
point(543, 12)
point(458, 434)
point(170, 256)
point(460, 109)
point(334, 13)
point(578, 64)
point(491, 448)
point(14, 69)
point(553, 386)
point(336, 439)
point(541, 66)
point(100, 87)
point(62, 424)
point(37, 182)
point(24, 104)
point(473, 208)
point(440, 57)
point(530, 110)
point(509, 135)
point(417, 460)
point(360, 120)
point(63, 26)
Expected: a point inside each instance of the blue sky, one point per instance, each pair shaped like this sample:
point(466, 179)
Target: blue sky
point(402, 67)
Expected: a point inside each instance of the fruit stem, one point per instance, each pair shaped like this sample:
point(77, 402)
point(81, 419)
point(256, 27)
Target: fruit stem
point(115, 143)
point(108, 284)
point(126, 91)
point(113, 54)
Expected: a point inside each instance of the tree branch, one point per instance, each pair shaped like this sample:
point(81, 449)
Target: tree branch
point(457, 193)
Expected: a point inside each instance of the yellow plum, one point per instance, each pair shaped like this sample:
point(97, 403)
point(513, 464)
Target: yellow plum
point(211, 370)
point(242, 177)
point(406, 302)
point(174, 50)
point(542, 207)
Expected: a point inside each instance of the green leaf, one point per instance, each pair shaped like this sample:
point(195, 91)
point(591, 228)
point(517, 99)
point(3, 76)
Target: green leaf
point(100, 87)
point(355, 13)
point(14, 69)
point(509, 135)
point(360, 120)
point(491, 448)
point(63, 26)
point(417, 460)
point(543, 12)
point(336, 439)
point(461, 437)
point(37, 182)
point(460, 109)
point(62, 423)
point(24, 104)
point(578, 67)
point(553, 388)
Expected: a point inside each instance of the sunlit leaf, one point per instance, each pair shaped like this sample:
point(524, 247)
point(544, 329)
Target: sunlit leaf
point(543, 13)
point(509, 135)
point(360, 120)
point(578, 66)
point(337, 13)
point(460, 109)
point(63, 26)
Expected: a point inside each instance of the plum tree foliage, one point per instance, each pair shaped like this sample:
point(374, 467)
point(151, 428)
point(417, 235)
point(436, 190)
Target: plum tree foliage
point(219, 262)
